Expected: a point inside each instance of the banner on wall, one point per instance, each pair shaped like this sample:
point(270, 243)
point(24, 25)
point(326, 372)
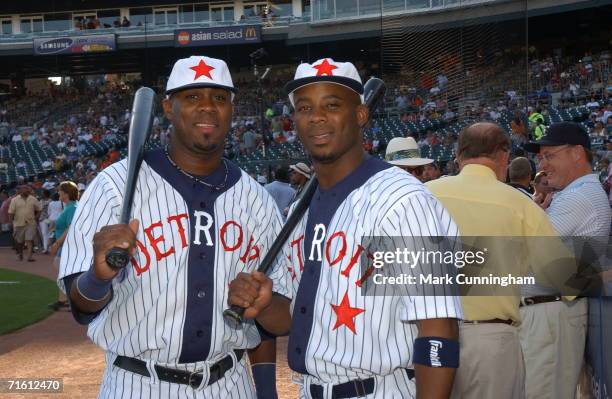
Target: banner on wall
point(74, 44)
point(217, 36)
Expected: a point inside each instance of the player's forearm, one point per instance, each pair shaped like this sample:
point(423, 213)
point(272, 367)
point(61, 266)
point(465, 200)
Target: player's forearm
point(276, 318)
point(436, 382)
point(433, 382)
point(96, 296)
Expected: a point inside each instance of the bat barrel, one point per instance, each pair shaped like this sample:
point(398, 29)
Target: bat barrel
point(140, 127)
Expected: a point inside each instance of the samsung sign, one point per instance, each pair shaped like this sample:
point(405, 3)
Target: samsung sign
point(217, 36)
point(74, 45)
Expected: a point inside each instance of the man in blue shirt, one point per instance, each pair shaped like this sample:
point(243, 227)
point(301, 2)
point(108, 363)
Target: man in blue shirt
point(280, 189)
point(553, 332)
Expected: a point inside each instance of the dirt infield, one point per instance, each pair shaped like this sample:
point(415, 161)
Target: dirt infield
point(58, 347)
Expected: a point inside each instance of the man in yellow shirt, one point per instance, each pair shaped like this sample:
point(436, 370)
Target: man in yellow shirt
point(23, 214)
point(493, 215)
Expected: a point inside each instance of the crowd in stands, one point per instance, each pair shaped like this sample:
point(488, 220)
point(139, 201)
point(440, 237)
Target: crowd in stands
point(66, 123)
point(94, 23)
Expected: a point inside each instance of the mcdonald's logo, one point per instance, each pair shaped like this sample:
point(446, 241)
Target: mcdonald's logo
point(250, 33)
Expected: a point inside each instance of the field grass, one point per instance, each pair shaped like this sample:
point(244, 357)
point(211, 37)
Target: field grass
point(24, 299)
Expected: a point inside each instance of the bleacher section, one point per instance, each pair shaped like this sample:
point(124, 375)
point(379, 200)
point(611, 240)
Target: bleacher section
point(384, 127)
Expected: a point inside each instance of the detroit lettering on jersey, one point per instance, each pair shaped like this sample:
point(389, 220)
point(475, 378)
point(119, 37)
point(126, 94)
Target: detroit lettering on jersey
point(338, 334)
point(192, 242)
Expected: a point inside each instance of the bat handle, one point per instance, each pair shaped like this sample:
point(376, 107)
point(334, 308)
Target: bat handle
point(117, 258)
point(233, 316)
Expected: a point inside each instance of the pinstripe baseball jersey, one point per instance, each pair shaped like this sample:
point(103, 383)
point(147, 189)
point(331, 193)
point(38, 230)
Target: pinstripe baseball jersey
point(192, 242)
point(338, 334)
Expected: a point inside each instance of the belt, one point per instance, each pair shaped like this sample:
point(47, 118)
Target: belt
point(501, 321)
point(193, 379)
point(534, 300)
point(351, 389)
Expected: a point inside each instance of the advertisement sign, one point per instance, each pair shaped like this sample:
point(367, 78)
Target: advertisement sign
point(74, 44)
point(217, 36)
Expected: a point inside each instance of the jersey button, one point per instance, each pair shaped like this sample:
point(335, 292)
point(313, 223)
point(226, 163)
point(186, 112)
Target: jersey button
point(202, 255)
point(202, 204)
point(199, 333)
point(303, 310)
point(298, 350)
point(201, 294)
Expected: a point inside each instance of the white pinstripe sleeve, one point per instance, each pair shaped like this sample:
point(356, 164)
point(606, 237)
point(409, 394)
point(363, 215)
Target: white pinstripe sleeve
point(419, 214)
point(98, 207)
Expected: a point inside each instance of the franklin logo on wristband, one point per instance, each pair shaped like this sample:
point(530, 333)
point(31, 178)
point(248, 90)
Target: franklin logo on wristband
point(434, 356)
point(436, 352)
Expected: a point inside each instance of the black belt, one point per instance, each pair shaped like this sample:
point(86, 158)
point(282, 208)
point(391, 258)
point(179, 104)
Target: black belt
point(351, 389)
point(534, 300)
point(193, 379)
point(490, 321)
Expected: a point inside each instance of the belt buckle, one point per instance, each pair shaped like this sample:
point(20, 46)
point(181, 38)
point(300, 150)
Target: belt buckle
point(190, 380)
point(529, 301)
point(360, 388)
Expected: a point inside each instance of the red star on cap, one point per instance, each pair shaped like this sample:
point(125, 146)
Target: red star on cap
point(345, 314)
point(324, 68)
point(202, 70)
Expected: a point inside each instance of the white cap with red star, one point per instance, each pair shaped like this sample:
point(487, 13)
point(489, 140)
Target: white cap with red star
point(326, 70)
point(199, 71)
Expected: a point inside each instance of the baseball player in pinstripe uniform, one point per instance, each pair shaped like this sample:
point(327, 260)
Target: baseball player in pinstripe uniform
point(345, 344)
point(197, 224)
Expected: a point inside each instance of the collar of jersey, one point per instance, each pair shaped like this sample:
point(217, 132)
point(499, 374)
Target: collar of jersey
point(158, 161)
point(368, 168)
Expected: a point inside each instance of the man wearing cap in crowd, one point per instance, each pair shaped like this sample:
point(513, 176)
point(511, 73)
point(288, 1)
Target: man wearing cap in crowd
point(404, 152)
point(345, 344)
point(198, 221)
point(554, 330)
point(300, 174)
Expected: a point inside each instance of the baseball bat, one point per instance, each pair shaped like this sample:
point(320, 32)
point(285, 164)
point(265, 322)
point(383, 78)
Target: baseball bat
point(374, 91)
point(140, 128)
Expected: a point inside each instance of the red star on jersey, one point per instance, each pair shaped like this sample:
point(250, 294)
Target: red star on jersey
point(202, 70)
point(325, 68)
point(345, 314)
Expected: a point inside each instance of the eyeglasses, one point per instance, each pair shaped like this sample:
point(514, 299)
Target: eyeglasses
point(548, 156)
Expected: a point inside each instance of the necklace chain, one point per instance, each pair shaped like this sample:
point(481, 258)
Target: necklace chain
point(192, 177)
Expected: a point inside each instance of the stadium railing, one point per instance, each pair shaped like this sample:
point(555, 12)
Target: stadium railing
point(152, 29)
